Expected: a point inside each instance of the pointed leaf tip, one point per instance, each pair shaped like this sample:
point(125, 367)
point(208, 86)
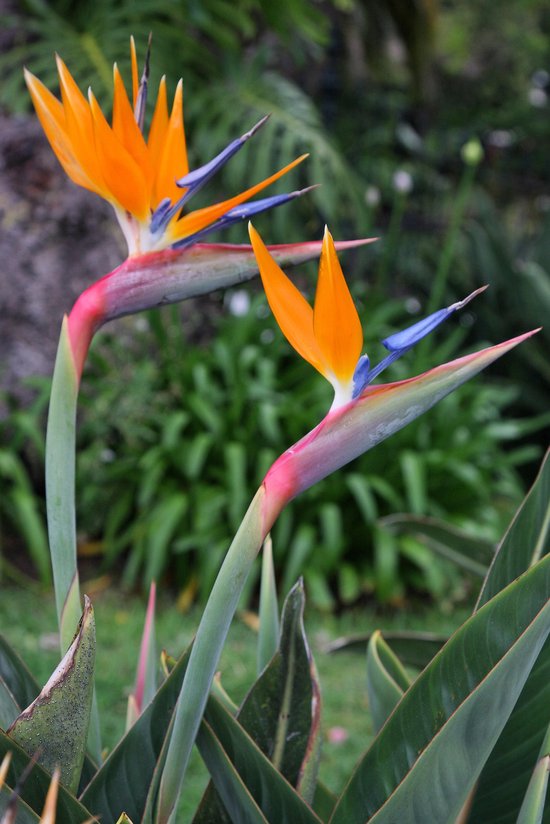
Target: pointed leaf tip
point(56, 723)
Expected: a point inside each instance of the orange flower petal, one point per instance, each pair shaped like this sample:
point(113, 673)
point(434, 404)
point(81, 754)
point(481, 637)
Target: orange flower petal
point(51, 115)
point(135, 77)
point(79, 127)
point(171, 161)
point(335, 320)
point(195, 221)
point(123, 177)
point(127, 130)
point(292, 311)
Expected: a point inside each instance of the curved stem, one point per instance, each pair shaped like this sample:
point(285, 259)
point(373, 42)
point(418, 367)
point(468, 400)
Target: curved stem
point(207, 647)
point(60, 485)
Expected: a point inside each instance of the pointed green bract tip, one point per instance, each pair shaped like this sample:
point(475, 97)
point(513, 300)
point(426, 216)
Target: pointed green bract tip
point(55, 725)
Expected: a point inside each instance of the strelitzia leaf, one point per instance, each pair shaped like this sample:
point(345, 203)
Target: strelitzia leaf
point(533, 807)
point(17, 677)
point(9, 708)
point(504, 779)
point(238, 803)
point(281, 713)
point(275, 797)
point(426, 759)
point(122, 783)
point(55, 725)
point(527, 538)
point(387, 680)
point(34, 789)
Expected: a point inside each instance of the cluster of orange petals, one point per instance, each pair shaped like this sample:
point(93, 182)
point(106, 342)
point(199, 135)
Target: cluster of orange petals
point(115, 160)
point(329, 335)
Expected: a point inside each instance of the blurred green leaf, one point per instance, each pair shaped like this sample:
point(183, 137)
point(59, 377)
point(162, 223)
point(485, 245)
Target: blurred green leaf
point(465, 549)
point(414, 649)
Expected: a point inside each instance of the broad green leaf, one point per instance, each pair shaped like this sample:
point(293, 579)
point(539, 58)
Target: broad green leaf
point(505, 776)
point(504, 779)
point(414, 649)
point(275, 797)
point(35, 787)
point(17, 677)
point(9, 708)
point(281, 711)
point(56, 723)
point(386, 680)
point(464, 549)
point(428, 756)
point(207, 647)
point(268, 634)
point(527, 538)
point(122, 782)
point(532, 809)
point(324, 802)
point(24, 813)
point(237, 800)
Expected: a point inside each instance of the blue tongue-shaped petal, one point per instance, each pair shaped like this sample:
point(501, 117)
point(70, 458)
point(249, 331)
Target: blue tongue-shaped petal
point(410, 336)
point(198, 177)
point(195, 180)
point(239, 213)
point(402, 341)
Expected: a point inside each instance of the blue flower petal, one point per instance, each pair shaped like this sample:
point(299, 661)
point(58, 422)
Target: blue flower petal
point(198, 177)
point(240, 213)
point(403, 340)
point(195, 180)
point(360, 376)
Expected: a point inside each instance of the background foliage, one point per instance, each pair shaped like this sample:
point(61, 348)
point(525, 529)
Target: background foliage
point(370, 91)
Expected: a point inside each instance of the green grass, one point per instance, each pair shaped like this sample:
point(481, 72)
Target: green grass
point(27, 619)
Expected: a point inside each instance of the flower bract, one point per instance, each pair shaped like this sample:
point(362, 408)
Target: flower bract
point(146, 179)
point(329, 334)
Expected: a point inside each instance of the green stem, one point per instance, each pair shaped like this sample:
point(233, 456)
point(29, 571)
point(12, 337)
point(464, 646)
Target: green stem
point(206, 652)
point(268, 634)
point(60, 504)
point(60, 480)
